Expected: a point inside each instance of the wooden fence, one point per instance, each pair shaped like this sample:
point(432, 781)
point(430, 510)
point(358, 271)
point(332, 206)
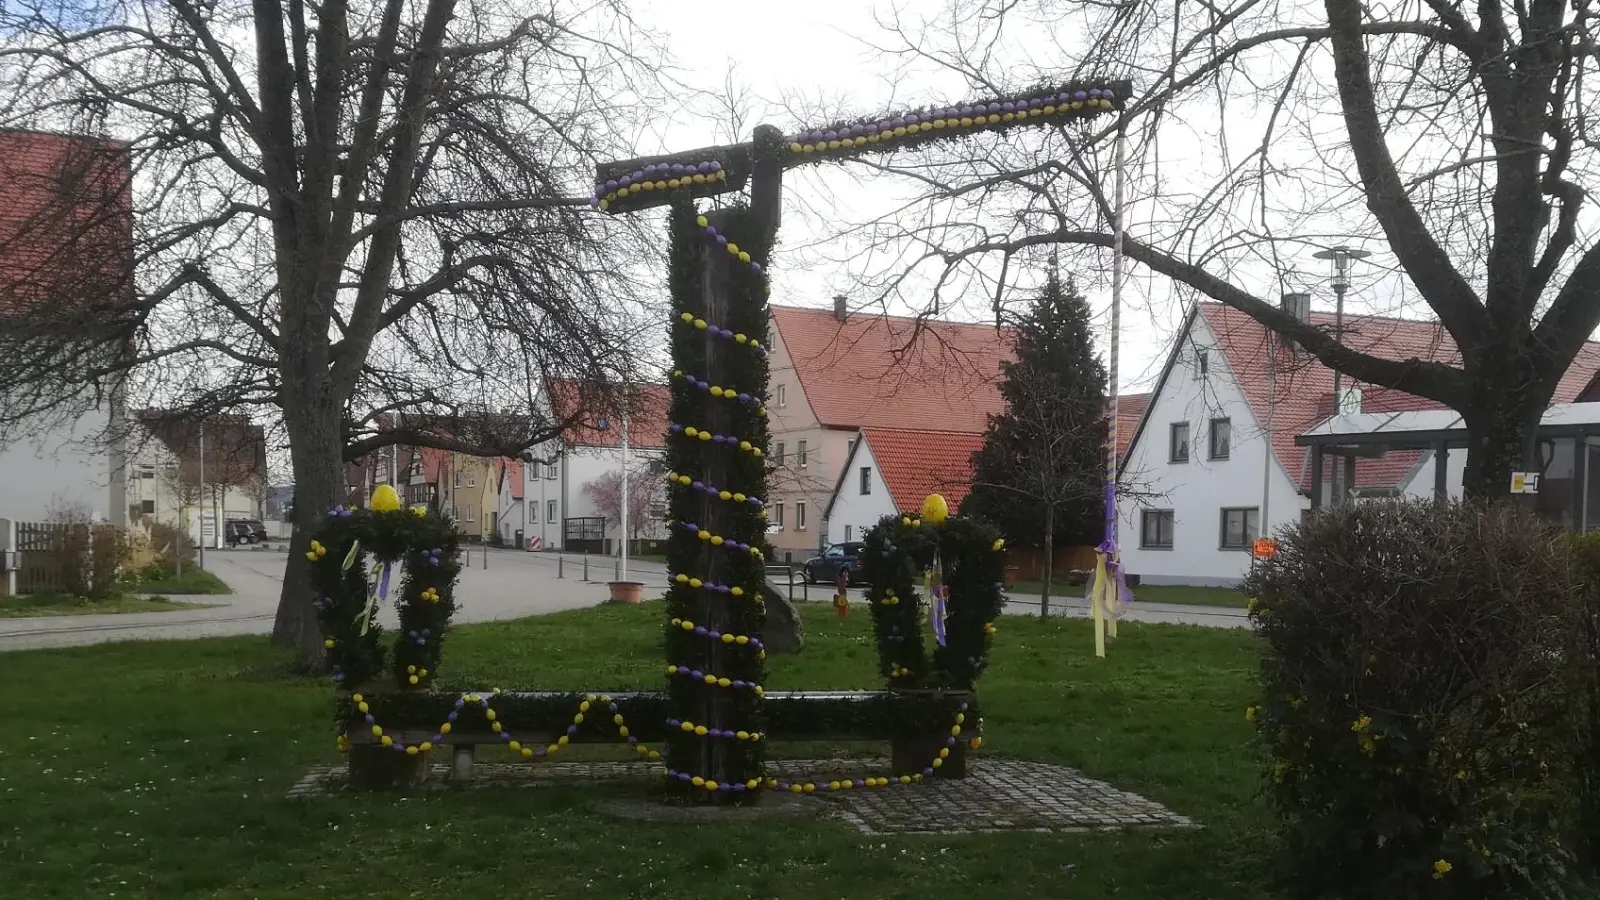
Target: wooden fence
point(40, 568)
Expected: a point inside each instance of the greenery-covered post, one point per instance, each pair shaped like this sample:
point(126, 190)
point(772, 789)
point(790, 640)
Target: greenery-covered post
point(717, 454)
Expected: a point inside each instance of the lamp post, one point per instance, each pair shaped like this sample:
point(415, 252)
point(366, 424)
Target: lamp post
point(1339, 259)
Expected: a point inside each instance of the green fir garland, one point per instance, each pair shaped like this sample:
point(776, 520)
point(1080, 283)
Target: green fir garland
point(424, 592)
point(899, 551)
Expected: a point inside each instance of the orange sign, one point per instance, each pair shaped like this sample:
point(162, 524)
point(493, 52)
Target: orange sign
point(1265, 548)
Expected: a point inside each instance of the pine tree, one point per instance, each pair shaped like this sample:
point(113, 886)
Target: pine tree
point(1040, 475)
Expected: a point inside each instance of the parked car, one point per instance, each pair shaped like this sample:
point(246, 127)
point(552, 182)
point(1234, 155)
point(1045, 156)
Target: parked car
point(244, 531)
point(844, 557)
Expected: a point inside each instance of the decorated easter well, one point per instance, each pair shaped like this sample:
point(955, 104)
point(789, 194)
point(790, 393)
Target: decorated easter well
point(927, 571)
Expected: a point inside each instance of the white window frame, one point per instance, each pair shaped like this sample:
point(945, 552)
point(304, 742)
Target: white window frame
point(799, 515)
point(552, 513)
point(801, 451)
point(782, 396)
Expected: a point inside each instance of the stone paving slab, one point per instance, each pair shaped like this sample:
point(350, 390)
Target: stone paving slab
point(997, 795)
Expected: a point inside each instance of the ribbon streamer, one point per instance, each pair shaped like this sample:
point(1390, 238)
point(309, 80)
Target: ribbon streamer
point(377, 592)
point(935, 589)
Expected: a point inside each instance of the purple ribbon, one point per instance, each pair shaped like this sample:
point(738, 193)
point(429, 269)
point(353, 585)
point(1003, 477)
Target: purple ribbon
point(1108, 548)
point(938, 594)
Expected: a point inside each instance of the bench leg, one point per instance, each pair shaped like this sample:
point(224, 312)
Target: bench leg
point(377, 768)
point(461, 762)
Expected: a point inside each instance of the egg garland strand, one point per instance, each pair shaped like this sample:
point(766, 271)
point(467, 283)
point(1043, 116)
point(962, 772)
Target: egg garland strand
point(492, 719)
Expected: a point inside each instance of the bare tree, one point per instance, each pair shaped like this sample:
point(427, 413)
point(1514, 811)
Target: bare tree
point(645, 490)
point(354, 214)
point(1457, 135)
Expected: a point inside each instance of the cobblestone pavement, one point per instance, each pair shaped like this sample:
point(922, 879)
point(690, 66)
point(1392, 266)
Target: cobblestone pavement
point(997, 795)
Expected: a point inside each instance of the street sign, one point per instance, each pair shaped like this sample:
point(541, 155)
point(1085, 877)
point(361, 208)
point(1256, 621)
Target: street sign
point(1524, 482)
point(1264, 548)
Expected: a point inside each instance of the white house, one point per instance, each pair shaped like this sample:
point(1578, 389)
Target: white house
point(1215, 450)
point(195, 474)
point(68, 460)
point(889, 471)
point(560, 513)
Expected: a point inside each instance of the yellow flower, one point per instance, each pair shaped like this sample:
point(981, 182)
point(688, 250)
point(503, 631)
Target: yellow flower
point(1441, 868)
point(1250, 713)
point(1361, 724)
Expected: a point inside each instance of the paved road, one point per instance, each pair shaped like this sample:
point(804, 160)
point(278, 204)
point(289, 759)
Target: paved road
point(513, 585)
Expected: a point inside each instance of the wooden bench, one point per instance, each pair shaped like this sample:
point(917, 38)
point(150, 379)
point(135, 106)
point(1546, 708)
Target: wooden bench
point(915, 723)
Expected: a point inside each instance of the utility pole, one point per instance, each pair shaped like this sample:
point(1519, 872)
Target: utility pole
point(623, 571)
point(1340, 257)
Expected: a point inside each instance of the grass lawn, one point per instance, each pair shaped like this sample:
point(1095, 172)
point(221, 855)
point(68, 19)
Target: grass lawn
point(192, 581)
point(62, 605)
point(158, 769)
point(1149, 593)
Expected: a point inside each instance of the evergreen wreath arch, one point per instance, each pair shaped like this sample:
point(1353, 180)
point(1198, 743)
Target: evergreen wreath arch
point(899, 555)
point(353, 558)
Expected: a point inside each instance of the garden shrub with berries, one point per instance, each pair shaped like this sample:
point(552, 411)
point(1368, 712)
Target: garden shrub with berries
point(1414, 707)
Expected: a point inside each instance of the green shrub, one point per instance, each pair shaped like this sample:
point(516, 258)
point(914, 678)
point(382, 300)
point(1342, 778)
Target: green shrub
point(1414, 702)
point(1585, 682)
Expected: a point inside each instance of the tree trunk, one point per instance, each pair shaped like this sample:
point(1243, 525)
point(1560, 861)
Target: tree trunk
point(316, 456)
point(1049, 558)
point(1502, 426)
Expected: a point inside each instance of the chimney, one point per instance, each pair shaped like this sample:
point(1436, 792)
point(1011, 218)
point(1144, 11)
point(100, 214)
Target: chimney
point(1297, 305)
point(841, 307)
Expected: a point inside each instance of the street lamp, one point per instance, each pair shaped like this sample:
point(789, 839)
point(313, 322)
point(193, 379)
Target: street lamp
point(1339, 259)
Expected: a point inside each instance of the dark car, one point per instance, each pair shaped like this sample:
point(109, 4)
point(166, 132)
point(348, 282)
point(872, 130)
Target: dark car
point(826, 568)
point(245, 531)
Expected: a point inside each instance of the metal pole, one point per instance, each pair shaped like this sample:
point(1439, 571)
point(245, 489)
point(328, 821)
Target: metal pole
point(622, 563)
point(1336, 496)
point(202, 541)
point(561, 565)
point(585, 565)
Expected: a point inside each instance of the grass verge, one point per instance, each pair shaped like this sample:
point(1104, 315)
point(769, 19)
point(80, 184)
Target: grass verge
point(64, 605)
point(1148, 593)
point(192, 581)
point(158, 769)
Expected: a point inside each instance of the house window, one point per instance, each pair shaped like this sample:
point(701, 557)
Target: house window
point(1221, 438)
point(1179, 452)
point(550, 512)
point(782, 398)
point(849, 533)
point(472, 478)
point(550, 472)
point(458, 479)
point(866, 480)
point(778, 457)
point(1240, 528)
point(147, 471)
point(658, 510)
point(777, 515)
point(472, 514)
point(799, 515)
point(148, 507)
point(800, 450)
point(1155, 529)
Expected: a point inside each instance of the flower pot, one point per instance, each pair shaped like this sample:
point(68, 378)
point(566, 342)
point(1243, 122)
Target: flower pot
point(626, 591)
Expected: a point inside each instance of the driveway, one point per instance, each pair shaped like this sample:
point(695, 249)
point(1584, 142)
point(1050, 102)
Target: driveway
point(495, 585)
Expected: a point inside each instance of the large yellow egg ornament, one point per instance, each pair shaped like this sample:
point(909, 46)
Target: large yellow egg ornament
point(385, 499)
point(935, 510)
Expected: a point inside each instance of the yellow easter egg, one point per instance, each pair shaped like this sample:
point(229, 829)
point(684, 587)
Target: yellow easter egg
point(702, 221)
point(385, 499)
point(935, 509)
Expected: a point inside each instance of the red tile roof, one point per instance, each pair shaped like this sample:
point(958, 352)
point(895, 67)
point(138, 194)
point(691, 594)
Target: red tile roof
point(647, 423)
point(1130, 409)
point(914, 464)
point(65, 219)
point(895, 372)
point(1304, 394)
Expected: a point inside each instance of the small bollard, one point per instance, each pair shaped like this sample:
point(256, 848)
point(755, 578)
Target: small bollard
point(616, 569)
point(585, 565)
point(561, 566)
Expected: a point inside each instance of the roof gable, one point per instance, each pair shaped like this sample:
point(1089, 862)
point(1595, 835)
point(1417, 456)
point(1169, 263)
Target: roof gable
point(895, 372)
point(914, 464)
point(1302, 392)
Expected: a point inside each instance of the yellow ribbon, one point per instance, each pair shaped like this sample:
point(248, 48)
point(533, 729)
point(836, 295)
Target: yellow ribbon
point(1099, 594)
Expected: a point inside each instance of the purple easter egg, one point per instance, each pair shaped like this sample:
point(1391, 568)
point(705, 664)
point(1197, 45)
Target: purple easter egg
point(711, 230)
point(1008, 106)
point(1094, 93)
point(755, 267)
point(722, 240)
point(716, 166)
point(1080, 95)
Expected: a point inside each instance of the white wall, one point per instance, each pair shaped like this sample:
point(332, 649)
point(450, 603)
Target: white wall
point(1421, 483)
point(62, 466)
point(577, 467)
point(1198, 491)
point(851, 509)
